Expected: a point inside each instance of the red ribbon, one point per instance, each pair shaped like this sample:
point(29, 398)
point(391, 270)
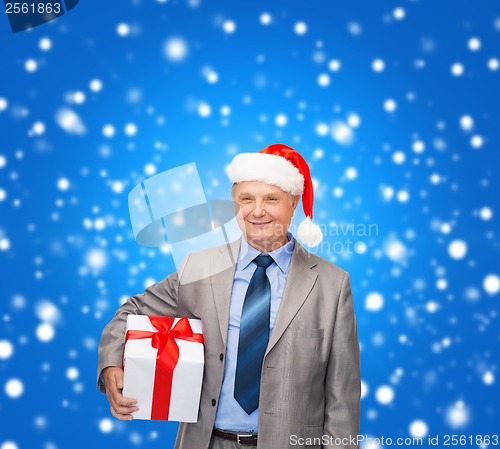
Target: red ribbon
point(167, 357)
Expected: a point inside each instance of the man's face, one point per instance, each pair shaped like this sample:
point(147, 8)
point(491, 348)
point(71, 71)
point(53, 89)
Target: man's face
point(264, 215)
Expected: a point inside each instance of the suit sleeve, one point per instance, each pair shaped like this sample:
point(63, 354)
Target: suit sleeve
point(343, 383)
point(157, 299)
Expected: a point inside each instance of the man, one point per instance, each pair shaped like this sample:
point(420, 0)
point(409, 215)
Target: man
point(282, 363)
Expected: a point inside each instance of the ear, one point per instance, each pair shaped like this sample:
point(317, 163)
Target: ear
point(296, 199)
point(233, 190)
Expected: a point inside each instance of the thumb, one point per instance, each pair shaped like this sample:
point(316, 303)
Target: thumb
point(119, 380)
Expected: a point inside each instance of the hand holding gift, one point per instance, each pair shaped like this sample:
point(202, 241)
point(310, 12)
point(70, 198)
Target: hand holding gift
point(121, 407)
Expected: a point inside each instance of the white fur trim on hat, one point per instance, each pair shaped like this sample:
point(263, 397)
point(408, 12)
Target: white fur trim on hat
point(268, 168)
point(309, 233)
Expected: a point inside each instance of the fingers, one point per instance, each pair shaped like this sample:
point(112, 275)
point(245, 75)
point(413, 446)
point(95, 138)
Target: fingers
point(122, 413)
point(120, 406)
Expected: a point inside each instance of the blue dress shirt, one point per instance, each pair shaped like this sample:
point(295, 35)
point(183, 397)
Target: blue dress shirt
point(230, 415)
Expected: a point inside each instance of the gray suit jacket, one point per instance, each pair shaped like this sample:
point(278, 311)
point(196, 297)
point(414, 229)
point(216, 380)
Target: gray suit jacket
point(310, 382)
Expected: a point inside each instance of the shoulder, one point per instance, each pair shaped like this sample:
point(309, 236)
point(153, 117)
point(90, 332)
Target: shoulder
point(319, 264)
point(202, 264)
point(212, 251)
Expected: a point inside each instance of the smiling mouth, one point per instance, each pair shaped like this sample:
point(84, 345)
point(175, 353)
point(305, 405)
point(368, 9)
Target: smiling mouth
point(259, 224)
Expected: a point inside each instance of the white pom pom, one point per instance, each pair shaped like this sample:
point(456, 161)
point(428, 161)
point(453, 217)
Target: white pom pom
point(309, 233)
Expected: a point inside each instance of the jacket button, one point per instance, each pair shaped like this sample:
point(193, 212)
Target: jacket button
point(221, 357)
point(214, 402)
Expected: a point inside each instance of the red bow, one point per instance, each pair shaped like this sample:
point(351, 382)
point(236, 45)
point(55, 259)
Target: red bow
point(167, 357)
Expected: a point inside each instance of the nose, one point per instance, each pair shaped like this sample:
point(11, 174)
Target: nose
point(258, 210)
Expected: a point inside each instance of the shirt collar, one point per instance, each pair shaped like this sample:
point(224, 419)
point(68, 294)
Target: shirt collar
point(282, 256)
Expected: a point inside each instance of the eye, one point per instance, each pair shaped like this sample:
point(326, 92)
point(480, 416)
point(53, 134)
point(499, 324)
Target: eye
point(271, 198)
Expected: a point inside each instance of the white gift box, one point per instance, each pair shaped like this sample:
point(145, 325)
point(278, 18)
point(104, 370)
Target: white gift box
point(140, 367)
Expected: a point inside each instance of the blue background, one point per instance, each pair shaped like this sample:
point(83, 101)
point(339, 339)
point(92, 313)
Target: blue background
point(68, 256)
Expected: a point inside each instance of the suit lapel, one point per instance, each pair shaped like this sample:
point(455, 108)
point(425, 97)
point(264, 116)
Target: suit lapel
point(222, 269)
point(300, 281)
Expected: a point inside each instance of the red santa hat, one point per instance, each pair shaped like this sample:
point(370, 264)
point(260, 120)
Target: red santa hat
point(283, 167)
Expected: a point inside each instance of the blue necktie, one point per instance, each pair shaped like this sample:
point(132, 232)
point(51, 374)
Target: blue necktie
point(254, 336)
